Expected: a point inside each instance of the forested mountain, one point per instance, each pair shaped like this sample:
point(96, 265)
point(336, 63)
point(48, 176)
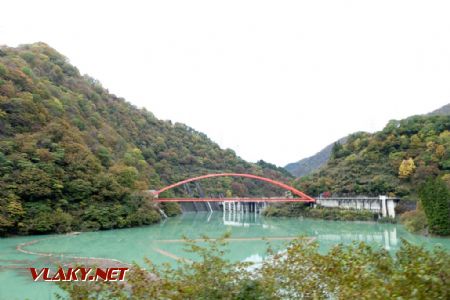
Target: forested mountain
point(393, 161)
point(310, 164)
point(74, 156)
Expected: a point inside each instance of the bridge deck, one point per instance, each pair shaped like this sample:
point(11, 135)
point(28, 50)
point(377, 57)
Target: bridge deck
point(279, 199)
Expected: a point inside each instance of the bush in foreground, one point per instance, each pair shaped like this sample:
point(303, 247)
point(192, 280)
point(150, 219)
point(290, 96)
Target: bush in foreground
point(415, 221)
point(356, 271)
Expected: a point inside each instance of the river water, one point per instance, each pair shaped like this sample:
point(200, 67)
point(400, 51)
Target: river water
point(163, 243)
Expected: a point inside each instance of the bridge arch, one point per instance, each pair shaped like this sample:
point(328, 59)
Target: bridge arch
point(293, 190)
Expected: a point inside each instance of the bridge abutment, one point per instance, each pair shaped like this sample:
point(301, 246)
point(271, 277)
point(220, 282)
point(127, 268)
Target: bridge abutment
point(383, 205)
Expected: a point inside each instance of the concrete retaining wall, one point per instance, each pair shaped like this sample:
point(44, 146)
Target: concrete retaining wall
point(382, 205)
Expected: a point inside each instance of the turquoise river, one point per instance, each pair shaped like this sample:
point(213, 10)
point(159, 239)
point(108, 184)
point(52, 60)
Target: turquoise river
point(163, 243)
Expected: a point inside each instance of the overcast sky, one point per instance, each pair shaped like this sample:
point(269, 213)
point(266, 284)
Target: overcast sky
point(273, 80)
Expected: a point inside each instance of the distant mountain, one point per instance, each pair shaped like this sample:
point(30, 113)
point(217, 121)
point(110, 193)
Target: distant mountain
point(308, 165)
point(443, 111)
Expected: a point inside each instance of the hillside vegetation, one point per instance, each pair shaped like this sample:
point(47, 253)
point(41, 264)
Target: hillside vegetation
point(74, 156)
point(394, 161)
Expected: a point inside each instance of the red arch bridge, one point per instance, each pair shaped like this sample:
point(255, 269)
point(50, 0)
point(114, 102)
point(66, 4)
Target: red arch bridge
point(298, 196)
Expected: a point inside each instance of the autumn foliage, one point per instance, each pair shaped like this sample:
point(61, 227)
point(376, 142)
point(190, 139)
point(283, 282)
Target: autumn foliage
point(75, 157)
point(394, 161)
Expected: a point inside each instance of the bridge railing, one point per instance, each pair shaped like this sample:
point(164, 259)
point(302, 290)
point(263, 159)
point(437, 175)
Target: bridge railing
point(233, 199)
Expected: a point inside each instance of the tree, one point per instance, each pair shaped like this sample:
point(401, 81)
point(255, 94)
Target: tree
point(126, 176)
point(435, 198)
point(406, 168)
point(335, 151)
point(105, 156)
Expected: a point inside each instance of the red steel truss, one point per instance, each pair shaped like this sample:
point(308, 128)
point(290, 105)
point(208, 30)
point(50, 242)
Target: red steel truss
point(298, 195)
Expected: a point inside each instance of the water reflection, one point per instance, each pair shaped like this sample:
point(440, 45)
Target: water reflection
point(240, 218)
point(387, 238)
point(326, 231)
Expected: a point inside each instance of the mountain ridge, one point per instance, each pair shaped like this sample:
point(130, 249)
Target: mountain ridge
point(442, 111)
point(309, 164)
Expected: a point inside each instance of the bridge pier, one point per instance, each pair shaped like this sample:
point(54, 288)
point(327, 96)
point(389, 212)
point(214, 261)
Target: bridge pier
point(243, 207)
point(231, 205)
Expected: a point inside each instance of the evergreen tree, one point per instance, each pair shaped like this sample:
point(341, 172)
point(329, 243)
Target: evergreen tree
point(335, 151)
point(435, 198)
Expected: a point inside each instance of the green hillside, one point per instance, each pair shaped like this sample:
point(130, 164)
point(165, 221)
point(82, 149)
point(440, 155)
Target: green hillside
point(75, 157)
point(392, 161)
